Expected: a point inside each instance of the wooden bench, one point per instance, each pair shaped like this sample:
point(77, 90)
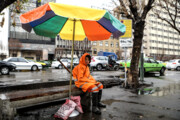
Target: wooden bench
point(10, 101)
point(20, 97)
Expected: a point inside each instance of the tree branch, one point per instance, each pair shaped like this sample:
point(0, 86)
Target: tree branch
point(147, 8)
point(178, 30)
point(125, 10)
point(133, 8)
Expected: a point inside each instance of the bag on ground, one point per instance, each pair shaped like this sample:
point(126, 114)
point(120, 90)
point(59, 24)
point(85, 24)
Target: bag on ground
point(66, 109)
point(77, 100)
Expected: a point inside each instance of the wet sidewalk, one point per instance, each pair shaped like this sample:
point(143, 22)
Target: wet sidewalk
point(125, 104)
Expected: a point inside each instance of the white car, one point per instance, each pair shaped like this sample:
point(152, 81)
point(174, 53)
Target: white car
point(99, 62)
point(173, 64)
point(57, 64)
point(23, 64)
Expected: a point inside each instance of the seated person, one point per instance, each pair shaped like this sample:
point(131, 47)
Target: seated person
point(87, 83)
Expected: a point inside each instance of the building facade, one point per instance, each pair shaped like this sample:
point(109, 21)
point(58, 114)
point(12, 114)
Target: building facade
point(160, 40)
point(64, 48)
point(28, 45)
point(110, 45)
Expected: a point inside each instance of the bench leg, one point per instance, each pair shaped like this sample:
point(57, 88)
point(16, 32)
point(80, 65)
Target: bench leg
point(86, 101)
point(6, 112)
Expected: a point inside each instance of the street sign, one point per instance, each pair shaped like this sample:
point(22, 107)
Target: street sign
point(126, 42)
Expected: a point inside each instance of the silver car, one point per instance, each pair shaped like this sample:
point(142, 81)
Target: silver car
point(99, 62)
point(173, 64)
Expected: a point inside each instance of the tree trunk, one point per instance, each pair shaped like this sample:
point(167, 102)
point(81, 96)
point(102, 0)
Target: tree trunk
point(134, 68)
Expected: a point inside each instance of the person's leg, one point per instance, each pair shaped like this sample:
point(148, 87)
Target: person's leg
point(100, 104)
point(100, 87)
point(94, 90)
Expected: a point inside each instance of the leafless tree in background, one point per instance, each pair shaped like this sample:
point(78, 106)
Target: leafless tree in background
point(172, 9)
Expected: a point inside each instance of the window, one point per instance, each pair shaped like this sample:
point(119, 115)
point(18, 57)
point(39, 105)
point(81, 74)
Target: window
point(14, 55)
point(13, 60)
point(94, 43)
point(112, 50)
point(100, 43)
point(117, 44)
point(112, 44)
point(106, 44)
point(95, 51)
point(101, 58)
point(69, 52)
point(106, 50)
point(152, 61)
point(22, 60)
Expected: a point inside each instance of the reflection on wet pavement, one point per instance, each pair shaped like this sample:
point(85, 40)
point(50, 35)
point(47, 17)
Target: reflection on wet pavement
point(170, 89)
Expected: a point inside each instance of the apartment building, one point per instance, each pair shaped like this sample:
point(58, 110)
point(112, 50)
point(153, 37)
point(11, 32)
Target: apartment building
point(64, 48)
point(28, 45)
point(160, 40)
point(110, 45)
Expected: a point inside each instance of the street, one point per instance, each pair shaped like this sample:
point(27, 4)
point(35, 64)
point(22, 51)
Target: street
point(124, 104)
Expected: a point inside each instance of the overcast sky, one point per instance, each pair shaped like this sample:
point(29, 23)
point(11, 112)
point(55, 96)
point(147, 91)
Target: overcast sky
point(87, 3)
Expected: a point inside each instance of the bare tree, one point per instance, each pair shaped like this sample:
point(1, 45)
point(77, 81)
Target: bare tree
point(172, 10)
point(136, 10)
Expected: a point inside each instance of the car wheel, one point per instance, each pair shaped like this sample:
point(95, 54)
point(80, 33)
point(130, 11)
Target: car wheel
point(4, 70)
point(116, 68)
point(34, 68)
point(178, 68)
point(59, 67)
point(99, 67)
point(162, 71)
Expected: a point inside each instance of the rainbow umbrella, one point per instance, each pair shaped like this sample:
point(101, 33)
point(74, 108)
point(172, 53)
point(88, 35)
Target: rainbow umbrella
point(72, 23)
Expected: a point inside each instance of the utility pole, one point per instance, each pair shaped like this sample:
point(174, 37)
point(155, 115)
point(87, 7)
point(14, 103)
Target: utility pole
point(142, 65)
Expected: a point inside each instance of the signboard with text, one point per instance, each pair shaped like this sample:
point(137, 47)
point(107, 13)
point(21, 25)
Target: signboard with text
point(126, 42)
point(128, 24)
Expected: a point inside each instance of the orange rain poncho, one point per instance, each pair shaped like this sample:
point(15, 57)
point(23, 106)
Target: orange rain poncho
point(83, 78)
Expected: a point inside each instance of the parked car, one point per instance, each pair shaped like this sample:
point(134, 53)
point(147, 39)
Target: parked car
point(43, 64)
point(150, 65)
point(48, 63)
point(99, 62)
point(75, 62)
point(161, 62)
point(6, 67)
point(57, 64)
point(23, 64)
point(173, 64)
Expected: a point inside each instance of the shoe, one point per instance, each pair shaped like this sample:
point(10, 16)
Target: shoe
point(99, 99)
point(101, 105)
point(95, 108)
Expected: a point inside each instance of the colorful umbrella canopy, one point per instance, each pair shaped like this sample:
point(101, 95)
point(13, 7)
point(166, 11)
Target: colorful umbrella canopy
point(52, 19)
point(72, 23)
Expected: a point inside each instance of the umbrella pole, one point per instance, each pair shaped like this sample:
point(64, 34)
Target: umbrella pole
point(72, 54)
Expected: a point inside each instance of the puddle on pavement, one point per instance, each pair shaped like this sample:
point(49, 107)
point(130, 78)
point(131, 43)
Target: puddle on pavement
point(157, 91)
